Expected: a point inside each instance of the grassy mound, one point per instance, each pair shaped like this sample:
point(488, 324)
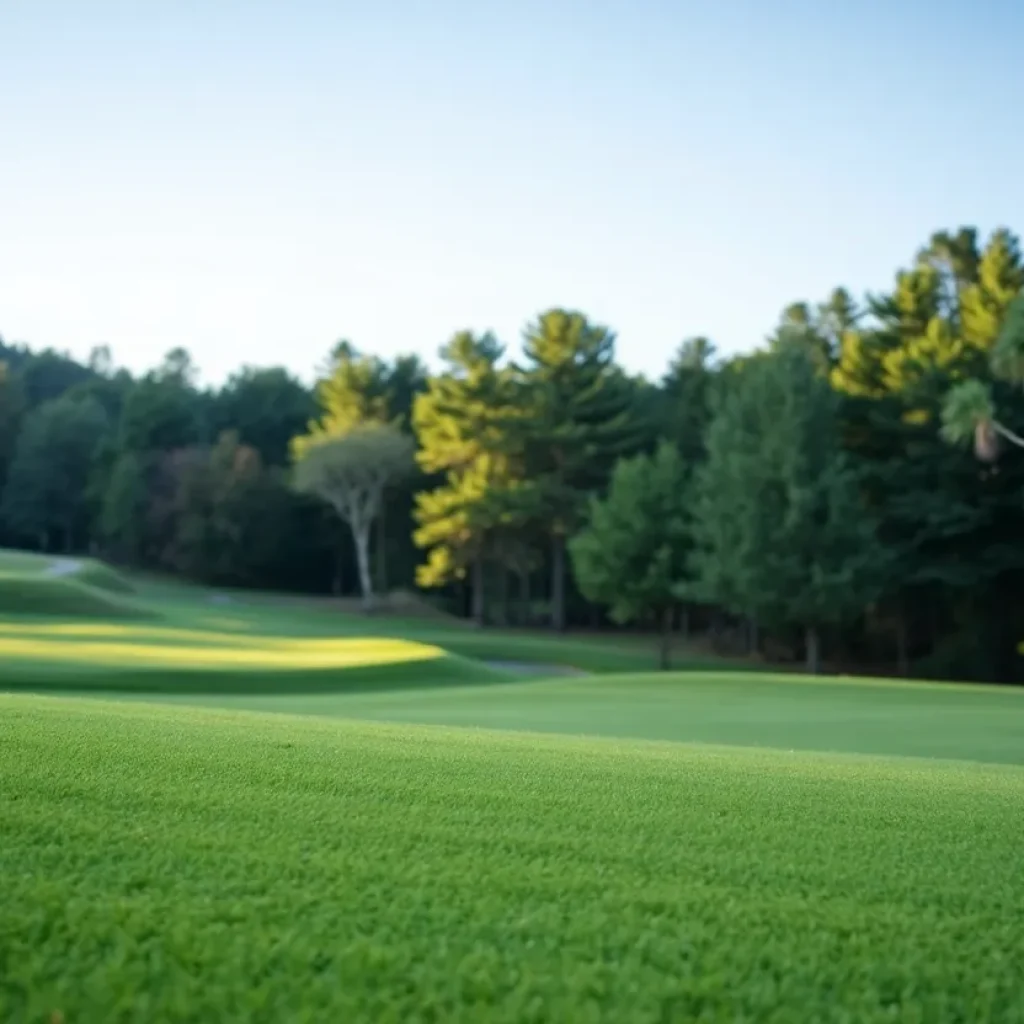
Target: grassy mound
point(63, 597)
point(180, 865)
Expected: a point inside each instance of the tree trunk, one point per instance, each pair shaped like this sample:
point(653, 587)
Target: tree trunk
point(361, 536)
point(558, 583)
point(813, 652)
point(665, 645)
point(478, 590)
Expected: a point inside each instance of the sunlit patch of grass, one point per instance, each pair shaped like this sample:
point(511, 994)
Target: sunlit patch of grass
point(131, 632)
point(262, 653)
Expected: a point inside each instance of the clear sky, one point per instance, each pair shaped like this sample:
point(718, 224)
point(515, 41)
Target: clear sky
point(255, 180)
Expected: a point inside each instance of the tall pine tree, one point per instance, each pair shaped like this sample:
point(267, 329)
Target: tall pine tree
point(461, 422)
point(781, 530)
point(580, 417)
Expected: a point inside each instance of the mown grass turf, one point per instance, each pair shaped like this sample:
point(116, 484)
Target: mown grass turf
point(182, 865)
point(980, 723)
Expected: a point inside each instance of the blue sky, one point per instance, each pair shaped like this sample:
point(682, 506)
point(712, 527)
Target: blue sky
point(255, 180)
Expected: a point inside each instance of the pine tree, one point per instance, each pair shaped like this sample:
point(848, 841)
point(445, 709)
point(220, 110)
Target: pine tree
point(462, 423)
point(987, 301)
point(632, 555)
point(580, 418)
point(352, 394)
point(685, 397)
point(781, 531)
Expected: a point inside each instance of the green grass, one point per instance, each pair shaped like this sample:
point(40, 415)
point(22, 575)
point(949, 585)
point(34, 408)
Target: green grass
point(96, 574)
point(22, 561)
point(29, 587)
point(182, 865)
point(941, 720)
point(382, 861)
point(63, 598)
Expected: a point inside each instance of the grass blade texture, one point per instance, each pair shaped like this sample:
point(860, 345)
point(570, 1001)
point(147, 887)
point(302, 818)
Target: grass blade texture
point(175, 864)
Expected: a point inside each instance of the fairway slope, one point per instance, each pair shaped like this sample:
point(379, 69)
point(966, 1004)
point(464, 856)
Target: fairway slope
point(180, 864)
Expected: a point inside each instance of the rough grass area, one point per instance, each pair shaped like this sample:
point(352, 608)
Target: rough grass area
point(181, 865)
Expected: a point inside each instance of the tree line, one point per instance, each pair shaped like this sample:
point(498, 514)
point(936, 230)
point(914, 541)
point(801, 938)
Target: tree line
point(838, 493)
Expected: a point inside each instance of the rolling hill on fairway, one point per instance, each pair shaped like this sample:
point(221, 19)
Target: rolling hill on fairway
point(179, 865)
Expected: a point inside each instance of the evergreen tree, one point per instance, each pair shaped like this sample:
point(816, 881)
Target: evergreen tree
point(781, 531)
point(47, 486)
point(686, 397)
point(352, 394)
point(160, 414)
point(461, 422)
point(122, 518)
point(267, 407)
point(632, 555)
point(579, 417)
point(12, 408)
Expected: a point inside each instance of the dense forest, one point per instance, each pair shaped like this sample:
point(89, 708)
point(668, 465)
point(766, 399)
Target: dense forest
point(835, 495)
